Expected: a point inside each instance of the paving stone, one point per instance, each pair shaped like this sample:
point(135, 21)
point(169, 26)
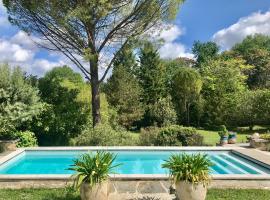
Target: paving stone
point(166, 184)
point(150, 187)
point(125, 186)
point(141, 197)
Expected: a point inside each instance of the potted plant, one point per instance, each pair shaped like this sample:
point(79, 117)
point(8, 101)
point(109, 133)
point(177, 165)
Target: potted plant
point(232, 137)
point(8, 137)
point(190, 174)
point(223, 134)
point(92, 172)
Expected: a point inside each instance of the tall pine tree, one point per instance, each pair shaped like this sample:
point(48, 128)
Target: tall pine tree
point(151, 74)
point(123, 90)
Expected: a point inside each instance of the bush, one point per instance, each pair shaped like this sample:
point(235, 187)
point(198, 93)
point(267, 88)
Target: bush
point(104, 135)
point(265, 136)
point(27, 139)
point(179, 136)
point(223, 132)
point(148, 136)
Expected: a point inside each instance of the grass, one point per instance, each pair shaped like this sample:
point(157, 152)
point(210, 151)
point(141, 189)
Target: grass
point(64, 194)
point(233, 194)
point(212, 137)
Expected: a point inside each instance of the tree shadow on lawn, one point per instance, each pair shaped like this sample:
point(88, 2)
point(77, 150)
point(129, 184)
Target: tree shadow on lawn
point(64, 197)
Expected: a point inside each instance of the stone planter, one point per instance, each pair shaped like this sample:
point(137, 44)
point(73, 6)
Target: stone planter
point(260, 144)
point(188, 191)
point(97, 192)
point(8, 145)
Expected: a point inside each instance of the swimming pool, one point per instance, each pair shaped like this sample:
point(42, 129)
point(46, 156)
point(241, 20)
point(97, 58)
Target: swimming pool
point(56, 162)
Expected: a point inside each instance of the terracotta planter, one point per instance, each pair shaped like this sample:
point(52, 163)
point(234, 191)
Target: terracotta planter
point(188, 191)
point(97, 192)
point(8, 145)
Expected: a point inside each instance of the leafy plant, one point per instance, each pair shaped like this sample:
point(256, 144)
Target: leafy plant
point(27, 139)
point(223, 131)
point(104, 135)
point(265, 136)
point(93, 168)
point(175, 135)
point(193, 168)
point(19, 101)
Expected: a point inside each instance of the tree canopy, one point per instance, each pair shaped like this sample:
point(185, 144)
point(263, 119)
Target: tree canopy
point(89, 32)
point(19, 101)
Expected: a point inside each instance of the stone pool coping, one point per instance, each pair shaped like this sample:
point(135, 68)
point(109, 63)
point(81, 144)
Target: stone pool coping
point(250, 154)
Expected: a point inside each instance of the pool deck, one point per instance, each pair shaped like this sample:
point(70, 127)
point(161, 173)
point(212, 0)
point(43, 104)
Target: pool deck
point(138, 184)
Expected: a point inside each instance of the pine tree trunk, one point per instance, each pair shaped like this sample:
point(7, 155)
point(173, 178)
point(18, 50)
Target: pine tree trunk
point(95, 92)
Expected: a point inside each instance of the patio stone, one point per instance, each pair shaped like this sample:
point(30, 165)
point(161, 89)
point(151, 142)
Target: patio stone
point(150, 187)
point(125, 186)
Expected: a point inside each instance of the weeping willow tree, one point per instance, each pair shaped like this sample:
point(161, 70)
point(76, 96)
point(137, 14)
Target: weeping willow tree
point(90, 32)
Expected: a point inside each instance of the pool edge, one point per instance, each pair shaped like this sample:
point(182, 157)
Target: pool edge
point(66, 177)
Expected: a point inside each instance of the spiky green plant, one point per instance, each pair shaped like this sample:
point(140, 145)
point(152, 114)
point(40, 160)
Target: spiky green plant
point(193, 168)
point(93, 168)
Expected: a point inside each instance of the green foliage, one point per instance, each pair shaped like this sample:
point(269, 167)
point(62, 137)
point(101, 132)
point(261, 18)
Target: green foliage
point(223, 132)
point(223, 81)
point(186, 88)
point(67, 109)
point(162, 112)
point(150, 74)
point(265, 136)
point(204, 52)
point(123, 90)
point(148, 136)
point(192, 168)
point(104, 135)
point(93, 168)
point(88, 29)
point(19, 101)
point(255, 50)
point(26, 139)
point(177, 135)
point(253, 108)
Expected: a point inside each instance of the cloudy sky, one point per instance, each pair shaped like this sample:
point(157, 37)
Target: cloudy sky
point(224, 21)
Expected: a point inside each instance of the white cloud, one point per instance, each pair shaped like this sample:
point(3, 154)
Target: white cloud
point(172, 49)
point(170, 33)
point(26, 41)
point(11, 52)
point(255, 23)
point(23, 53)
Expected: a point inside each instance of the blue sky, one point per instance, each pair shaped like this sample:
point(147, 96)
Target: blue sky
point(223, 21)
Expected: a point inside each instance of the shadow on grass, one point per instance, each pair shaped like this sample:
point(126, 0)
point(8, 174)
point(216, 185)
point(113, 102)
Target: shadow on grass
point(64, 197)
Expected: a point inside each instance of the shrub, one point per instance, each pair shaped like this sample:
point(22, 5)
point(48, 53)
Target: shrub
point(265, 136)
point(148, 136)
point(163, 112)
point(19, 101)
point(104, 135)
point(223, 132)
point(27, 139)
point(178, 135)
point(192, 168)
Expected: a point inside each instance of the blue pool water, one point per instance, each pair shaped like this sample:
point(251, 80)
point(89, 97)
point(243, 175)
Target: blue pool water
point(133, 162)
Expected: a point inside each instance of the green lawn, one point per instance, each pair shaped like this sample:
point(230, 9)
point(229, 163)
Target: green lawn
point(212, 137)
point(63, 194)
